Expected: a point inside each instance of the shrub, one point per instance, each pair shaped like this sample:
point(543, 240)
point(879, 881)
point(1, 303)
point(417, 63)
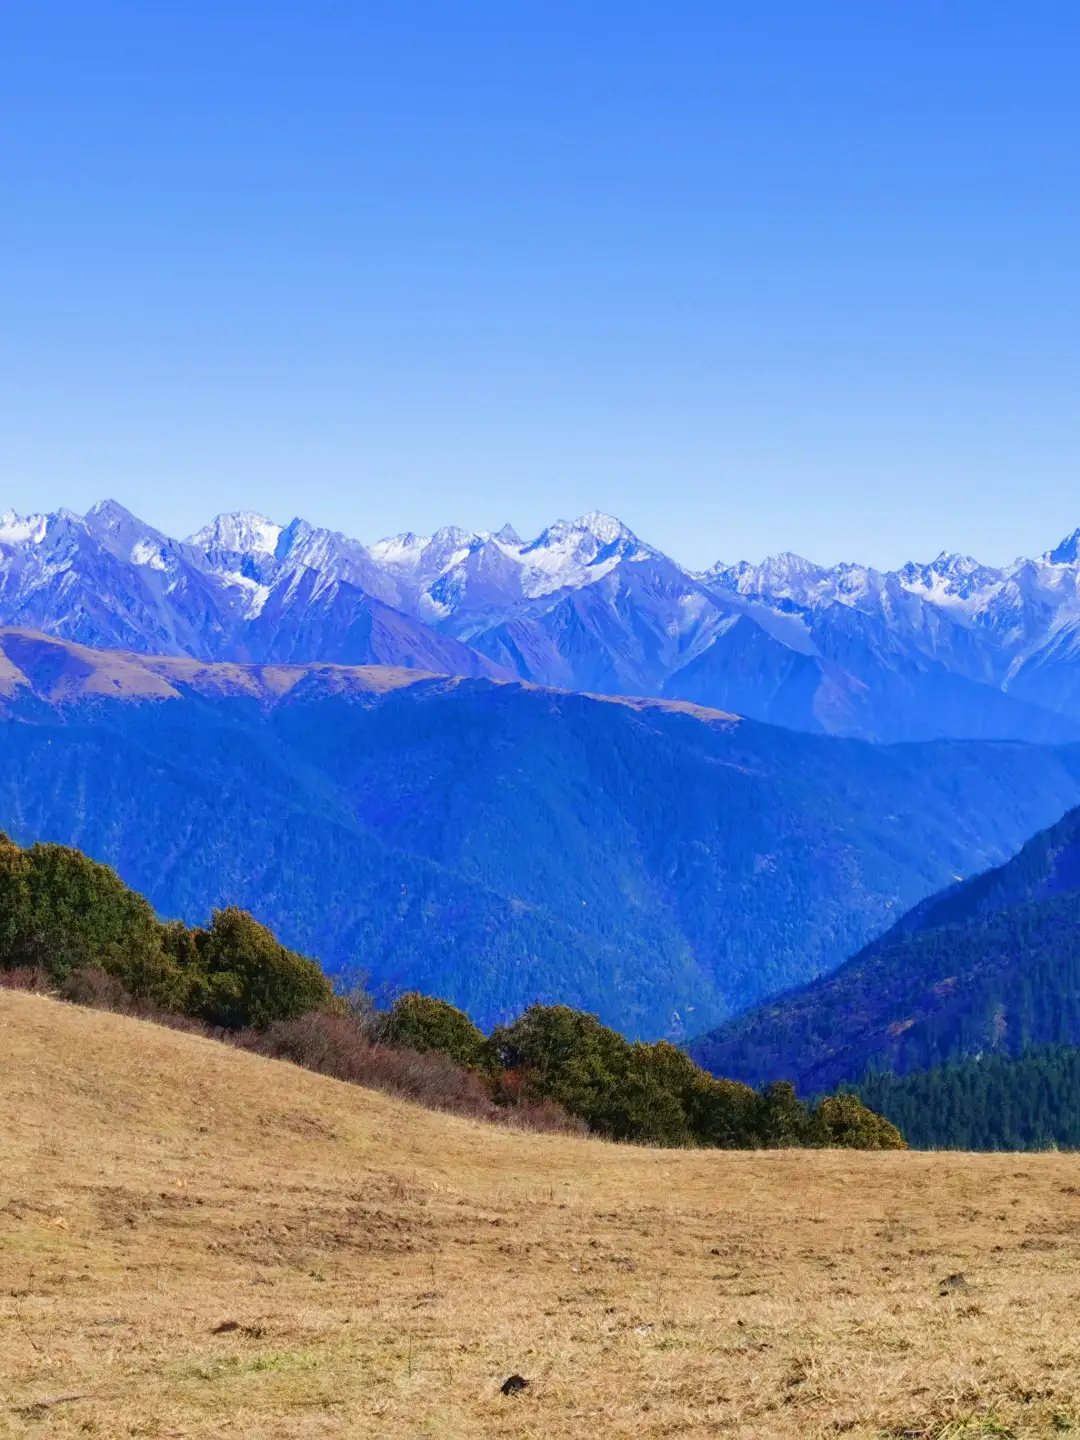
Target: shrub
point(424, 1023)
point(60, 911)
point(95, 989)
point(98, 990)
point(656, 1095)
point(25, 977)
point(554, 1053)
point(784, 1120)
point(539, 1117)
point(652, 1094)
point(843, 1120)
point(247, 978)
point(65, 915)
point(336, 1045)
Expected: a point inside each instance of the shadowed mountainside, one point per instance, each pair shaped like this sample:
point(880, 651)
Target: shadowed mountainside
point(990, 966)
point(949, 648)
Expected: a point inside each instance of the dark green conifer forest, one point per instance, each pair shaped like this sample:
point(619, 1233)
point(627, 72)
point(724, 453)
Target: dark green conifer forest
point(996, 1102)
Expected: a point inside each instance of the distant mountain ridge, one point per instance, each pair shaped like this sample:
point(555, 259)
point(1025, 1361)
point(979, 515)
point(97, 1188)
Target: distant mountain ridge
point(107, 579)
point(496, 843)
point(949, 648)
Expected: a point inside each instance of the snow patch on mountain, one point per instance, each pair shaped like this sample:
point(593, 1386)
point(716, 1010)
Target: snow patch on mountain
point(400, 552)
point(586, 605)
point(242, 532)
point(22, 529)
point(573, 553)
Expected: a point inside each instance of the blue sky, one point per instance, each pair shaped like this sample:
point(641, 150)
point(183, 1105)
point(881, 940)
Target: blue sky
point(753, 276)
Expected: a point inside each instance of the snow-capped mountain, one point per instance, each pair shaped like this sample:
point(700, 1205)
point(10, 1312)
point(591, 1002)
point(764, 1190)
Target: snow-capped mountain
point(950, 647)
point(464, 579)
point(241, 533)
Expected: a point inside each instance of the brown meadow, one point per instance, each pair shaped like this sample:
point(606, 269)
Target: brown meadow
point(196, 1241)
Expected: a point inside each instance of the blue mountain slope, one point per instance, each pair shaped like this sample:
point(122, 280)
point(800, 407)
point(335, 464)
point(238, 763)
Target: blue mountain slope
point(499, 844)
point(949, 648)
point(988, 965)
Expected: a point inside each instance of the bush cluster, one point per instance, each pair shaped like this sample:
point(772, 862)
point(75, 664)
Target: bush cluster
point(71, 925)
point(62, 913)
point(649, 1094)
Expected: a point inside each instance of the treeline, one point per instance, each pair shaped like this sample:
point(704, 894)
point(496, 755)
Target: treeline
point(651, 1094)
point(998, 1102)
point(71, 925)
point(61, 913)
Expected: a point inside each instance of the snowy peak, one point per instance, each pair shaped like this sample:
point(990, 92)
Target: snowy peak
point(455, 572)
point(130, 540)
point(109, 514)
point(240, 532)
point(949, 645)
point(572, 553)
point(400, 552)
point(787, 578)
point(1067, 553)
point(787, 572)
point(948, 580)
point(596, 529)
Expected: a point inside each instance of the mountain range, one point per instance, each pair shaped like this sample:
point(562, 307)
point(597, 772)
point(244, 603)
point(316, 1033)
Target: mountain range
point(988, 967)
point(493, 842)
point(951, 648)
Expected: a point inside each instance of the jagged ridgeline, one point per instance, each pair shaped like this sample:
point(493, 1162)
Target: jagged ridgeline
point(63, 916)
point(949, 648)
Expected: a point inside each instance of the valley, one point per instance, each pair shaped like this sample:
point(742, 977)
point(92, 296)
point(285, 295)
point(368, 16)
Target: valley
point(989, 967)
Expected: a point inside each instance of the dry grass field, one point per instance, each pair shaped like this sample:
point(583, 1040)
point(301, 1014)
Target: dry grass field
point(200, 1242)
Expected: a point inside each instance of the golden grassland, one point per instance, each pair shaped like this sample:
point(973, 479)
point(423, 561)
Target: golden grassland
point(196, 1241)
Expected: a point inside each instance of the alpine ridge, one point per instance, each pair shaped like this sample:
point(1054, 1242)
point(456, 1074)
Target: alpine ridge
point(949, 648)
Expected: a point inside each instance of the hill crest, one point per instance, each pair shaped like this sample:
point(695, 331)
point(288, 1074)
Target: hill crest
point(63, 672)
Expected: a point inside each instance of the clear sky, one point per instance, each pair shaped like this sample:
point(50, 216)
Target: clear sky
point(783, 274)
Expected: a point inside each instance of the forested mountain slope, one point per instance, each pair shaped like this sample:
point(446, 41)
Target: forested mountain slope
point(497, 844)
point(991, 965)
point(993, 1102)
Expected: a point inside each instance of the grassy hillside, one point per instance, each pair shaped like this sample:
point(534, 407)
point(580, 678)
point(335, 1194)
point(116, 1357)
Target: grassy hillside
point(70, 928)
point(989, 966)
point(498, 844)
point(195, 1241)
